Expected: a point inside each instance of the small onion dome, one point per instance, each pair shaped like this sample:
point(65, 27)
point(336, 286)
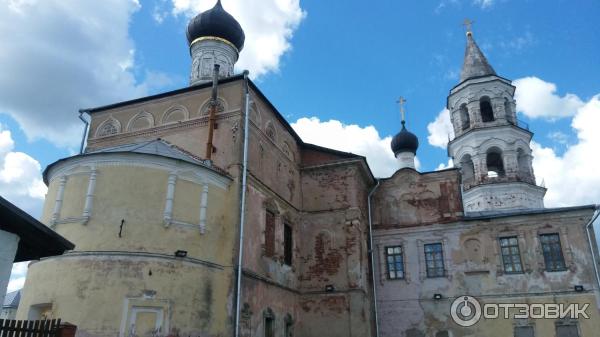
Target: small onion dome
point(405, 141)
point(216, 22)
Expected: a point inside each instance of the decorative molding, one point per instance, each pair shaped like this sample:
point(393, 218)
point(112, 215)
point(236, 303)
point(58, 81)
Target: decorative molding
point(203, 207)
point(59, 199)
point(89, 197)
point(143, 115)
point(111, 126)
point(177, 108)
point(168, 212)
point(191, 123)
point(195, 173)
point(205, 107)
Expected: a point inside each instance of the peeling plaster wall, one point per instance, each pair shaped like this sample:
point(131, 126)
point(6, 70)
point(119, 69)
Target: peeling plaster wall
point(410, 198)
point(95, 289)
point(474, 267)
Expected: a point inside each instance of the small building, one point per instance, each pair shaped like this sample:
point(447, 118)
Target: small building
point(10, 305)
point(23, 238)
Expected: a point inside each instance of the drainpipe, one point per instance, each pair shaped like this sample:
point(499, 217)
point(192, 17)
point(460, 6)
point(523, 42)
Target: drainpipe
point(85, 129)
point(588, 227)
point(373, 260)
point(242, 206)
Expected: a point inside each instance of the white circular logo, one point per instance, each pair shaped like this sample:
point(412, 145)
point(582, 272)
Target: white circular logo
point(465, 311)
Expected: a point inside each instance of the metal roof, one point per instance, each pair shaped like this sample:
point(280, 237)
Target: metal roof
point(36, 239)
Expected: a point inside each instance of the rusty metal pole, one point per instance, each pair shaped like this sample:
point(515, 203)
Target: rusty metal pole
point(212, 113)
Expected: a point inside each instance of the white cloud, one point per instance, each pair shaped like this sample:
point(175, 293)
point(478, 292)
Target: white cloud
point(483, 4)
point(572, 178)
point(17, 276)
point(443, 166)
point(268, 24)
point(364, 141)
point(440, 130)
point(20, 177)
point(61, 55)
point(538, 99)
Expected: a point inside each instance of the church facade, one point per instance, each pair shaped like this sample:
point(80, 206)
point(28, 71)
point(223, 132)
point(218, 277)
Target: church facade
point(200, 212)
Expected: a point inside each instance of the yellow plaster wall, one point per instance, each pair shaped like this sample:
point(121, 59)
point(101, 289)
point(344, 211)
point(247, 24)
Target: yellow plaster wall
point(137, 195)
point(93, 290)
point(187, 197)
point(88, 286)
point(73, 188)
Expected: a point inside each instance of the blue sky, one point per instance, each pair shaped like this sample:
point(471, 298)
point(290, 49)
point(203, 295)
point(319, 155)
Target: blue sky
point(341, 63)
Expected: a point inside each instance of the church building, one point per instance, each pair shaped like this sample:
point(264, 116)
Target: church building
point(200, 212)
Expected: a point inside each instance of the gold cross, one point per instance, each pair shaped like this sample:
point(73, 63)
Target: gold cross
point(401, 101)
point(468, 25)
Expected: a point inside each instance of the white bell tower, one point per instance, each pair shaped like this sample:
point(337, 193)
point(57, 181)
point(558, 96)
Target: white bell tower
point(492, 148)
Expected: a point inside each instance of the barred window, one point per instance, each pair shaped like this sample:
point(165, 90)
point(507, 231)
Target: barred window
point(511, 256)
point(395, 263)
point(553, 256)
point(434, 260)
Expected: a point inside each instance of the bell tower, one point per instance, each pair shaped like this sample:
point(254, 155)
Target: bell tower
point(492, 148)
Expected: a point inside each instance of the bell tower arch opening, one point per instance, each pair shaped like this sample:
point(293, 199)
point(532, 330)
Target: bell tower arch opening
point(485, 107)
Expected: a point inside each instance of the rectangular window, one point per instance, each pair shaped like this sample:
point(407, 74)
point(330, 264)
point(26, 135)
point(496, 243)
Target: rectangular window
point(395, 263)
point(270, 234)
point(524, 331)
point(568, 330)
point(288, 246)
point(511, 256)
point(434, 260)
point(553, 256)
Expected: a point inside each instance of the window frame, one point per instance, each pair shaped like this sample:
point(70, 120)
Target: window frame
point(394, 255)
point(528, 326)
point(288, 244)
point(427, 268)
point(511, 255)
point(552, 252)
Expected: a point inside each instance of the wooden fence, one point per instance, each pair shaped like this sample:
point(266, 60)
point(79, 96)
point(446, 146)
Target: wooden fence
point(44, 328)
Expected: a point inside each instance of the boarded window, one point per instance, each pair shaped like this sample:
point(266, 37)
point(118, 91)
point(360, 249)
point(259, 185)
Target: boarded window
point(553, 256)
point(269, 327)
point(288, 245)
point(434, 260)
point(511, 256)
point(270, 234)
point(394, 262)
point(569, 330)
point(524, 331)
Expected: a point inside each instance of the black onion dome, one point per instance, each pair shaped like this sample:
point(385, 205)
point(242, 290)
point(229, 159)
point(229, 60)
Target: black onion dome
point(216, 22)
point(405, 141)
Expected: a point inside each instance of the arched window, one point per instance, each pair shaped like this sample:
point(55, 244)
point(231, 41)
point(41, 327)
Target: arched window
point(464, 117)
point(467, 168)
point(269, 323)
point(495, 164)
point(270, 130)
point(109, 127)
point(485, 107)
